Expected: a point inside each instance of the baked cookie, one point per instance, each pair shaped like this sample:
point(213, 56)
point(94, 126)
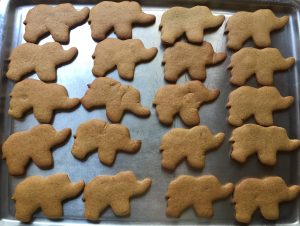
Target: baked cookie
point(47, 193)
point(124, 55)
point(41, 97)
point(179, 143)
point(183, 99)
point(112, 191)
point(43, 60)
point(264, 194)
point(117, 98)
point(35, 144)
point(191, 21)
point(265, 141)
point(119, 16)
point(246, 101)
point(58, 20)
point(256, 25)
point(197, 192)
point(259, 62)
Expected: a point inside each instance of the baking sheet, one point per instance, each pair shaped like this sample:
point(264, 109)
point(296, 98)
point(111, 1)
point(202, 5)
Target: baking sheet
point(150, 208)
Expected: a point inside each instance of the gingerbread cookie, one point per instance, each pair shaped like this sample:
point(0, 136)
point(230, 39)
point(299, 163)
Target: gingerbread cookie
point(57, 20)
point(119, 16)
point(43, 98)
point(117, 98)
point(259, 62)
point(259, 102)
point(43, 60)
point(265, 141)
point(256, 25)
point(192, 58)
point(191, 21)
point(263, 194)
point(112, 191)
point(34, 144)
point(179, 143)
point(184, 99)
point(197, 192)
point(124, 55)
point(47, 193)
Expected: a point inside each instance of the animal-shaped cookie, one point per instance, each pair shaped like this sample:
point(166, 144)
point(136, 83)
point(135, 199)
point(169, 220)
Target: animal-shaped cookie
point(256, 25)
point(57, 20)
point(265, 141)
point(123, 54)
point(259, 62)
point(179, 143)
point(43, 60)
point(112, 191)
point(183, 99)
point(197, 192)
point(264, 194)
point(42, 98)
point(107, 138)
point(188, 57)
point(190, 21)
point(117, 98)
point(46, 193)
point(119, 16)
point(34, 144)
point(246, 101)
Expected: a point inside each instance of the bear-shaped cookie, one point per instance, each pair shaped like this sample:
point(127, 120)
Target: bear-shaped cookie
point(112, 191)
point(57, 20)
point(246, 101)
point(46, 193)
point(42, 98)
point(123, 54)
point(34, 144)
point(264, 194)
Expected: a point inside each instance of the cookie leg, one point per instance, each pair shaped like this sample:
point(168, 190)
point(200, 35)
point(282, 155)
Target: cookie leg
point(194, 34)
point(197, 72)
point(100, 70)
point(126, 70)
point(93, 209)
point(171, 158)
point(190, 116)
point(268, 157)
point(18, 166)
point(270, 211)
point(121, 207)
point(265, 77)
point(196, 160)
point(240, 154)
point(235, 40)
point(264, 117)
point(46, 72)
point(244, 211)
point(43, 159)
point(175, 207)
point(238, 78)
point(123, 30)
point(25, 211)
point(43, 114)
point(107, 154)
point(114, 113)
point(173, 72)
point(204, 209)
point(262, 39)
point(169, 35)
point(165, 114)
point(235, 117)
point(53, 209)
point(59, 31)
point(99, 30)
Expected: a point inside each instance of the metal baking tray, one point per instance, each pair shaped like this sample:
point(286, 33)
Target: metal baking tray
point(150, 208)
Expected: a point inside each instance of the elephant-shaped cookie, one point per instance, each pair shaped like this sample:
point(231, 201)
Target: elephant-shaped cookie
point(34, 144)
point(246, 101)
point(256, 25)
point(57, 20)
point(123, 54)
point(265, 194)
point(265, 141)
point(107, 138)
point(179, 143)
point(197, 192)
point(117, 98)
point(47, 193)
point(192, 21)
point(259, 62)
point(43, 60)
point(184, 99)
point(112, 191)
point(188, 57)
point(43, 98)
point(119, 16)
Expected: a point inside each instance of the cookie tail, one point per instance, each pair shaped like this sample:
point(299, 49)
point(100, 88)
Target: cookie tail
point(288, 62)
point(293, 144)
point(293, 191)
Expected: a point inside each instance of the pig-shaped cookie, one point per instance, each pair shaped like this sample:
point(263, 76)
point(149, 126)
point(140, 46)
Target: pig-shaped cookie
point(123, 54)
point(179, 143)
point(246, 101)
point(34, 144)
point(43, 98)
point(112, 191)
point(47, 193)
point(197, 192)
point(259, 62)
point(264, 194)
point(184, 99)
point(43, 60)
point(117, 98)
